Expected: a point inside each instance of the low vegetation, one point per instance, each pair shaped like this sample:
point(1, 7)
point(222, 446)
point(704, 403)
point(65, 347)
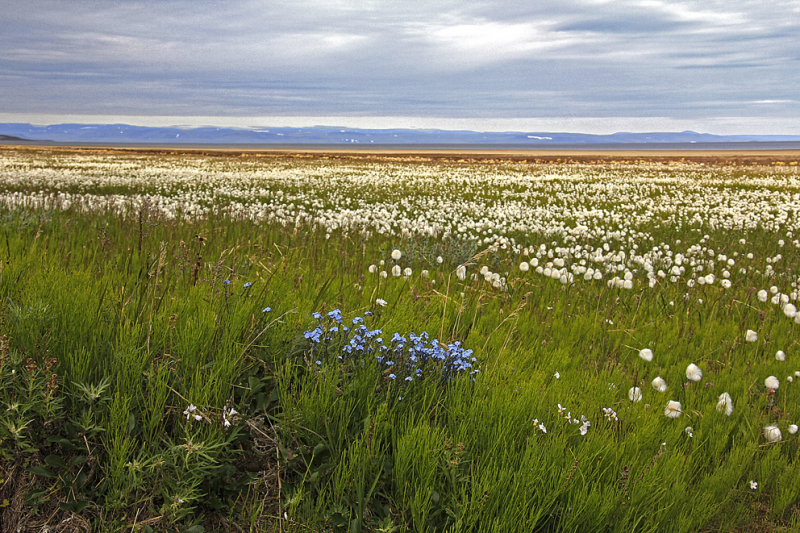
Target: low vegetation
point(198, 344)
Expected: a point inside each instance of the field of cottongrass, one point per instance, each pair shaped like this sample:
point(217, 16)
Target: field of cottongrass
point(196, 343)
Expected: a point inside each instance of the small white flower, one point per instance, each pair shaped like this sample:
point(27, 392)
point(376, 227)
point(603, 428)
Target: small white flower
point(673, 409)
point(725, 403)
point(659, 384)
point(751, 336)
point(396, 255)
point(380, 301)
point(726, 283)
point(383, 274)
point(198, 418)
point(407, 272)
point(772, 382)
point(789, 379)
point(693, 372)
point(792, 429)
point(189, 410)
point(635, 394)
point(772, 433)
point(372, 269)
point(646, 354)
point(557, 375)
point(439, 259)
point(753, 485)
point(780, 356)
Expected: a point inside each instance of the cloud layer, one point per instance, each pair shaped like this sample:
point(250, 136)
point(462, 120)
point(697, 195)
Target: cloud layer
point(687, 61)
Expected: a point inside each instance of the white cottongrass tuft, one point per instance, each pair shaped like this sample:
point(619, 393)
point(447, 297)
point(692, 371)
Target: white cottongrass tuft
point(396, 271)
point(635, 394)
point(646, 354)
point(725, 404)
point(772, 382)
point(762, 295)
point(792, 429)
point(673, 409)
point(693, 372)
point(780, 356)
point(524, 266)
point(790, 310)
point(772, 433)
point(461, 272)
point(396, 255)
point(751, 336)
point(659, 384)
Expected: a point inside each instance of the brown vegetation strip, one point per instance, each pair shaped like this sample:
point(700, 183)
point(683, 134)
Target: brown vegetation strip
point(459, 156)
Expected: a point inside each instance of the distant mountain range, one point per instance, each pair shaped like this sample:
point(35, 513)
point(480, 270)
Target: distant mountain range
point(123, 133)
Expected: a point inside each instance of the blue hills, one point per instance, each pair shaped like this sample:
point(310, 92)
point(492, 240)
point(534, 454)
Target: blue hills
point(123, 133)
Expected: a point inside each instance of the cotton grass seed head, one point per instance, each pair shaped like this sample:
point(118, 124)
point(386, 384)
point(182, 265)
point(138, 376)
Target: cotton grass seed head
point(693, 372)
point(659, 384)
point(792, 429)
point(673, 409)
point(772, 433)
point(725, 404)
point(646, 354)
point(524, 266)
point(751, 336)
point(396, 255)
point(772, 383)
point(780, 356)
point(635, 394)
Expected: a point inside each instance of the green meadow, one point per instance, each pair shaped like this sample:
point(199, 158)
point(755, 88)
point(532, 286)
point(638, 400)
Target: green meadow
point(194, 343)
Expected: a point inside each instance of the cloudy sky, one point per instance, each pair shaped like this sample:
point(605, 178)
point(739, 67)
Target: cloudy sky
point(590, 66)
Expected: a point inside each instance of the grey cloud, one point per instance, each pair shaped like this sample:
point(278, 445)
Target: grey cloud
point(492, 58)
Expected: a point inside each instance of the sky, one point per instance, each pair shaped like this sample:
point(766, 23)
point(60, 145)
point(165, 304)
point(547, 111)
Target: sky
point(588, 66)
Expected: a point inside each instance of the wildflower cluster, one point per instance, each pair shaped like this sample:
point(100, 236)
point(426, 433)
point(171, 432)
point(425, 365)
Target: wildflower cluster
point(403, 359)
point(583, 422)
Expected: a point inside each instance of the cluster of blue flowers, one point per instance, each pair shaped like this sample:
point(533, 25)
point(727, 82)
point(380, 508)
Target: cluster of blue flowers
point(404, 358)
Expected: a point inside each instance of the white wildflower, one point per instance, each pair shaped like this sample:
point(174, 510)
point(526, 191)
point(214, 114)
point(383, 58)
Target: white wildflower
point(772, 433)
point(673, 409)
point(693, 372)
point(725, 403)
point(635, 394)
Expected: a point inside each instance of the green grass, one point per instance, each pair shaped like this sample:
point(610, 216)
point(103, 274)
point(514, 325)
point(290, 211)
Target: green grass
point(138, 315)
